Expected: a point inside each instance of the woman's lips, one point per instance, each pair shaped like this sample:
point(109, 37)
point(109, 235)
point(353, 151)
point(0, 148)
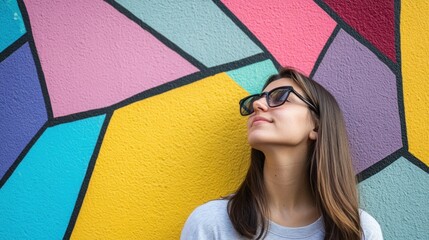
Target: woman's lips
point(259, 120)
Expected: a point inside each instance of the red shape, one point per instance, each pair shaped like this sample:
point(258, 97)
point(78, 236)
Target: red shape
point(374, 20)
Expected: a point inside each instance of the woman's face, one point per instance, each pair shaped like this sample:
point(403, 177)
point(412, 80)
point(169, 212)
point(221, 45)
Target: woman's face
point(289, 124)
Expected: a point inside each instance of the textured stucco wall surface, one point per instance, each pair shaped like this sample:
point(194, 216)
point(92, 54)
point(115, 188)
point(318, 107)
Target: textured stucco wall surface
point(415, 70)
point(118, 118)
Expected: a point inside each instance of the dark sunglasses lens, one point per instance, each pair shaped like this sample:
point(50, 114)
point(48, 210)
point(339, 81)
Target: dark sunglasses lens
point(278, 97)
point(246, 106)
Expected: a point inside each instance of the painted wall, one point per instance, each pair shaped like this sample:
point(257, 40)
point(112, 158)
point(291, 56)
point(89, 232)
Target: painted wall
point(118, 118)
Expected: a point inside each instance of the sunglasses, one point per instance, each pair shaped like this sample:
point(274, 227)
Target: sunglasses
point(275, 98)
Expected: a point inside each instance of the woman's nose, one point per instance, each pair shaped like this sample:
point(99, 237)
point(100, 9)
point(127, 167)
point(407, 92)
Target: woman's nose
point(260, 104)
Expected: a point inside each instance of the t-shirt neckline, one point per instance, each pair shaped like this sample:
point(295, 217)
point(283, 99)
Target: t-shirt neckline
point(297, 232)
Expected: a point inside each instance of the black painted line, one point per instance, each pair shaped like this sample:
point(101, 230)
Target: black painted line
point(36, 59)
point(414, 160)
point(23, 153)
point(352, 32)
point(157, 35)
point(87, 178)
point(249, 34)
point(259, 57)
point(13, 47)
point(395, 68)
point(163, 88)
point(397, 12)
point(380, 165)
point(324, 50)
point(399, 80)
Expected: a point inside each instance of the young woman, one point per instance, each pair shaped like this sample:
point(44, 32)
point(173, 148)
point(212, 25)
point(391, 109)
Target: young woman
point(300, 183)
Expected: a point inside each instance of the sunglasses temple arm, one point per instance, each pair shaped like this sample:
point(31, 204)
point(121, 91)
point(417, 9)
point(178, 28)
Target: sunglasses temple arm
point(308, 103)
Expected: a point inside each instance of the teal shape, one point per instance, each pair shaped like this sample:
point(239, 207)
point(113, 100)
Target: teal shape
point(199, 28)
point(398, 198)
point(39, 197)
point(11, 23)
point(253, 77)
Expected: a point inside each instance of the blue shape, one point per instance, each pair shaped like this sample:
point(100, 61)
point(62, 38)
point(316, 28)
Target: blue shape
point(253, 77)
point(38, 199)
point(398, 198)
point(199, 28)
point(22, 107)
point(11, 23)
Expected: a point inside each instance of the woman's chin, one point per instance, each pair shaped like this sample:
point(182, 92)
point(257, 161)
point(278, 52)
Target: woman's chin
point(257, 141)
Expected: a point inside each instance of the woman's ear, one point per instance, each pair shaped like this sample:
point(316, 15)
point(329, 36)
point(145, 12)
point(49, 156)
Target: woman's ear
point(313, 134)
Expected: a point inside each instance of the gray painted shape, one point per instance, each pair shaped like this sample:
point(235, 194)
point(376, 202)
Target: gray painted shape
point(398, 197)
point(199, 28)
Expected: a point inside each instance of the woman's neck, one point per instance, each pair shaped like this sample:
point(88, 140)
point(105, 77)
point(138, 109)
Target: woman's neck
point(289, 196)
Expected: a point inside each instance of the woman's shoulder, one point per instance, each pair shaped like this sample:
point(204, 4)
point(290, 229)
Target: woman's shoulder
point(209, 221)
point(211, 210)
point(371, 228)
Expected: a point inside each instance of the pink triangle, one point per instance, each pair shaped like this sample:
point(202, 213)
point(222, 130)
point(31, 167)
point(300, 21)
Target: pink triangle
point(293, 31)
point(93, 56)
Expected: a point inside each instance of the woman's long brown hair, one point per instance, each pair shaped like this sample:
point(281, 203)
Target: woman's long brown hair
point(330, 172)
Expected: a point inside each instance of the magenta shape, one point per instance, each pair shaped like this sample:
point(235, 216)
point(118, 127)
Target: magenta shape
point(366, 91)
point(293, 31)
point(93, 56)
point(374, 20)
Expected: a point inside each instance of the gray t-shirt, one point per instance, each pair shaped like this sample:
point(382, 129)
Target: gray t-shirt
point(211, 221)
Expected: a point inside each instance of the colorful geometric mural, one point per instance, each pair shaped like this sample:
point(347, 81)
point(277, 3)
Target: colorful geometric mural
point(120, 117)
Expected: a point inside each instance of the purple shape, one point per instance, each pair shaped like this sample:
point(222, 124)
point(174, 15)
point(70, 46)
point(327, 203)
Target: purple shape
point(365, 88)
point(22, 107)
